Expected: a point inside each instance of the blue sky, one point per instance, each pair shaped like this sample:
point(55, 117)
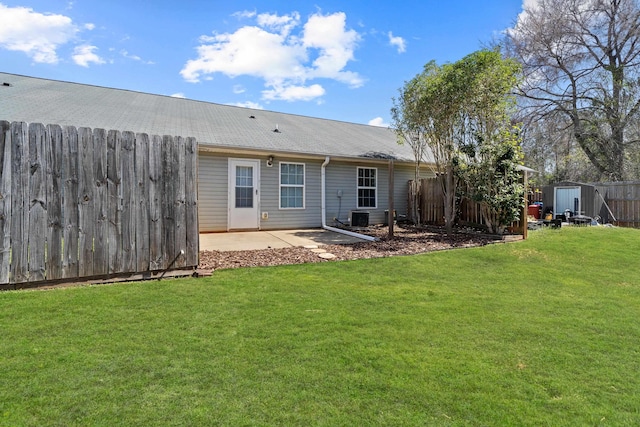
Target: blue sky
point(332, 59)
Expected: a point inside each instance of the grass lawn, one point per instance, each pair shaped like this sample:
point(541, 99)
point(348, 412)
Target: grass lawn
point(541, 332)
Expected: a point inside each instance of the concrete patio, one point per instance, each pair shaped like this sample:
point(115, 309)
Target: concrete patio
point(251, 240)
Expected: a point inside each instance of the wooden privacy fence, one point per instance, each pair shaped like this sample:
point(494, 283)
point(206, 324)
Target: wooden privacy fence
point(82, 203)
point(623, 201)
point(431, 203)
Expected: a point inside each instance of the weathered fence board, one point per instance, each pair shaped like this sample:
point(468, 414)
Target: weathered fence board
point(86, 202)
point(141, 199)
point(82, 203)
point(180, 210)
point(114, 227)
point(169, 223)
point(129, 204)
point(34, 234)
point(5, 200)
point(100, 247)
point(71, 219)
point(191, 200)
point(156, 219)
point(19, 201)
point(55, 202)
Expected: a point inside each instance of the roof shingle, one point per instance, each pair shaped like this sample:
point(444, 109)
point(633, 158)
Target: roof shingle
point(32, 99)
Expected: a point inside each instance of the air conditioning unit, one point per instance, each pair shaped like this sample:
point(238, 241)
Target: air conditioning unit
point(359, 219)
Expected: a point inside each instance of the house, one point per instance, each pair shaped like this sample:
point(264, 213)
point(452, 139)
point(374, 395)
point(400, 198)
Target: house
point(257, 169)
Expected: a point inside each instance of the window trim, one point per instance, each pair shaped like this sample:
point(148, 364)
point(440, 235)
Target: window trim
point(303, 186)
point(359, 187)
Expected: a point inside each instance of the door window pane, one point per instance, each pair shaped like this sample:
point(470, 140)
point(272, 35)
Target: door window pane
point(244, 187)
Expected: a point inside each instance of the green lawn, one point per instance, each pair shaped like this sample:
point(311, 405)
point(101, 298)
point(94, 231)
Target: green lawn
point(544, 332)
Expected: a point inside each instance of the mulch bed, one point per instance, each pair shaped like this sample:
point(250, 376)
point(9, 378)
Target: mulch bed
point(407, 240)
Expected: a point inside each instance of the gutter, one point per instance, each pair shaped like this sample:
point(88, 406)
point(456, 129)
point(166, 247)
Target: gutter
point(323, 192)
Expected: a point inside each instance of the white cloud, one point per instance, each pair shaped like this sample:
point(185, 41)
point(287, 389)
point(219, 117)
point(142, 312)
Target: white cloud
point(529, 7)
point(282, 24)
point(398, 42)
point(245, 14)
point(378, 121)
point(84, 55)
point(126, 54)
point(249, 51)
point(284, 58)
point(248, 104)
point(90, 26)
point(37, 35)
point(178, 95)
point(336, 45)
point(293, 93)
point(238, 89)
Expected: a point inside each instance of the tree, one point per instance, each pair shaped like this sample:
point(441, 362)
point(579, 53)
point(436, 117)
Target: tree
point(550, 148)
point(425, 117)
point(461, 112)
point(406, 116)
point(581, 58)
point(489, 143)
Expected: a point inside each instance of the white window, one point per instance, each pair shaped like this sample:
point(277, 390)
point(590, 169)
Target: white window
point(367, 187)
point(291, 186)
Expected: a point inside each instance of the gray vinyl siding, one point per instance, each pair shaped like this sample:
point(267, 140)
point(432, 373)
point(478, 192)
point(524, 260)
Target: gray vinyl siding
point(212, 192)
point(403, 174)
point(343, 176)
point(280, 219)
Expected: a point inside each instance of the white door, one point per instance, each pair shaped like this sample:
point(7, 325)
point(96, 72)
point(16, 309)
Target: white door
point(243, 194)
point(567, 198)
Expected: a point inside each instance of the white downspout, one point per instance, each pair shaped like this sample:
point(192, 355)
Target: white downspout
point(323, 193)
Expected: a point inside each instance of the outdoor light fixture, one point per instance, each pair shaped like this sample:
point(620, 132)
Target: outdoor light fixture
point(270, 161)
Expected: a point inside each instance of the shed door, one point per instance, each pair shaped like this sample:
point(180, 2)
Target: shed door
point(567, 198)
point(243, 194)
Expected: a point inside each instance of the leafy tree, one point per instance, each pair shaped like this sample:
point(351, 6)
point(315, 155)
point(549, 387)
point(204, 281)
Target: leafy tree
point(490, 144)
point(461, 112)
point(425, 117)
point(581, 59)
point(407, 122)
